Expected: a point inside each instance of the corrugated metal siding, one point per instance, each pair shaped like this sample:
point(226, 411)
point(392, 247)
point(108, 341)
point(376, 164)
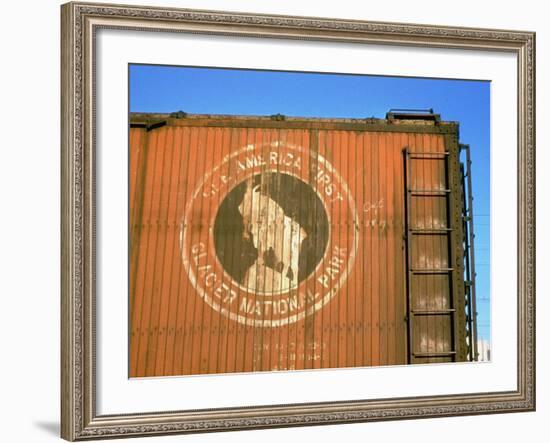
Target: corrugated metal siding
point(174, 332)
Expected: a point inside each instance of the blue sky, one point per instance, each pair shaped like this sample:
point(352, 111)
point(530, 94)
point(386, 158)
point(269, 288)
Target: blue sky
point(230, 91)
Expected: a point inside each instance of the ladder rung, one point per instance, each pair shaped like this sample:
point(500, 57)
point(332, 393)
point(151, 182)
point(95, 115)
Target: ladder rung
point(428, 155)
point(430, 231)
point(432, 271)
point(430, 192)
point(434, 312)
point(434, 354)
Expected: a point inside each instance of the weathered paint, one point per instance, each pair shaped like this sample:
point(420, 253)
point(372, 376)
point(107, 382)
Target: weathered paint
point(189, 315)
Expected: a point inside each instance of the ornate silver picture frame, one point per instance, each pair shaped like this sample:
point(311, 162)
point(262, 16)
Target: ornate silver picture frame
point(81, 22)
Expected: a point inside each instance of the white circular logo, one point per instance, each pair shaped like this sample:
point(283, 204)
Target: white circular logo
point(266, 236)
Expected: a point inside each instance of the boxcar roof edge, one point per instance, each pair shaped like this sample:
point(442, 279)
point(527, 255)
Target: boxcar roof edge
point(151, 121)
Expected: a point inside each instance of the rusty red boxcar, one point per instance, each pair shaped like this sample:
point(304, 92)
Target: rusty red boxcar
point(278, 243)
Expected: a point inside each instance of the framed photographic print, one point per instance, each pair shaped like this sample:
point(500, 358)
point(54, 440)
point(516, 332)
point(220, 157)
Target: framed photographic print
point(282, 221)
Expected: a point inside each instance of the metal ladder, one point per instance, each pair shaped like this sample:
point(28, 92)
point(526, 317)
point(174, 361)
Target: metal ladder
point(469, 257)
point(413, 314)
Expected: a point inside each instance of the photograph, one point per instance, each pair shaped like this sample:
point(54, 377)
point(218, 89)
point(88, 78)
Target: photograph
point(275, 221)
point(289, 220)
